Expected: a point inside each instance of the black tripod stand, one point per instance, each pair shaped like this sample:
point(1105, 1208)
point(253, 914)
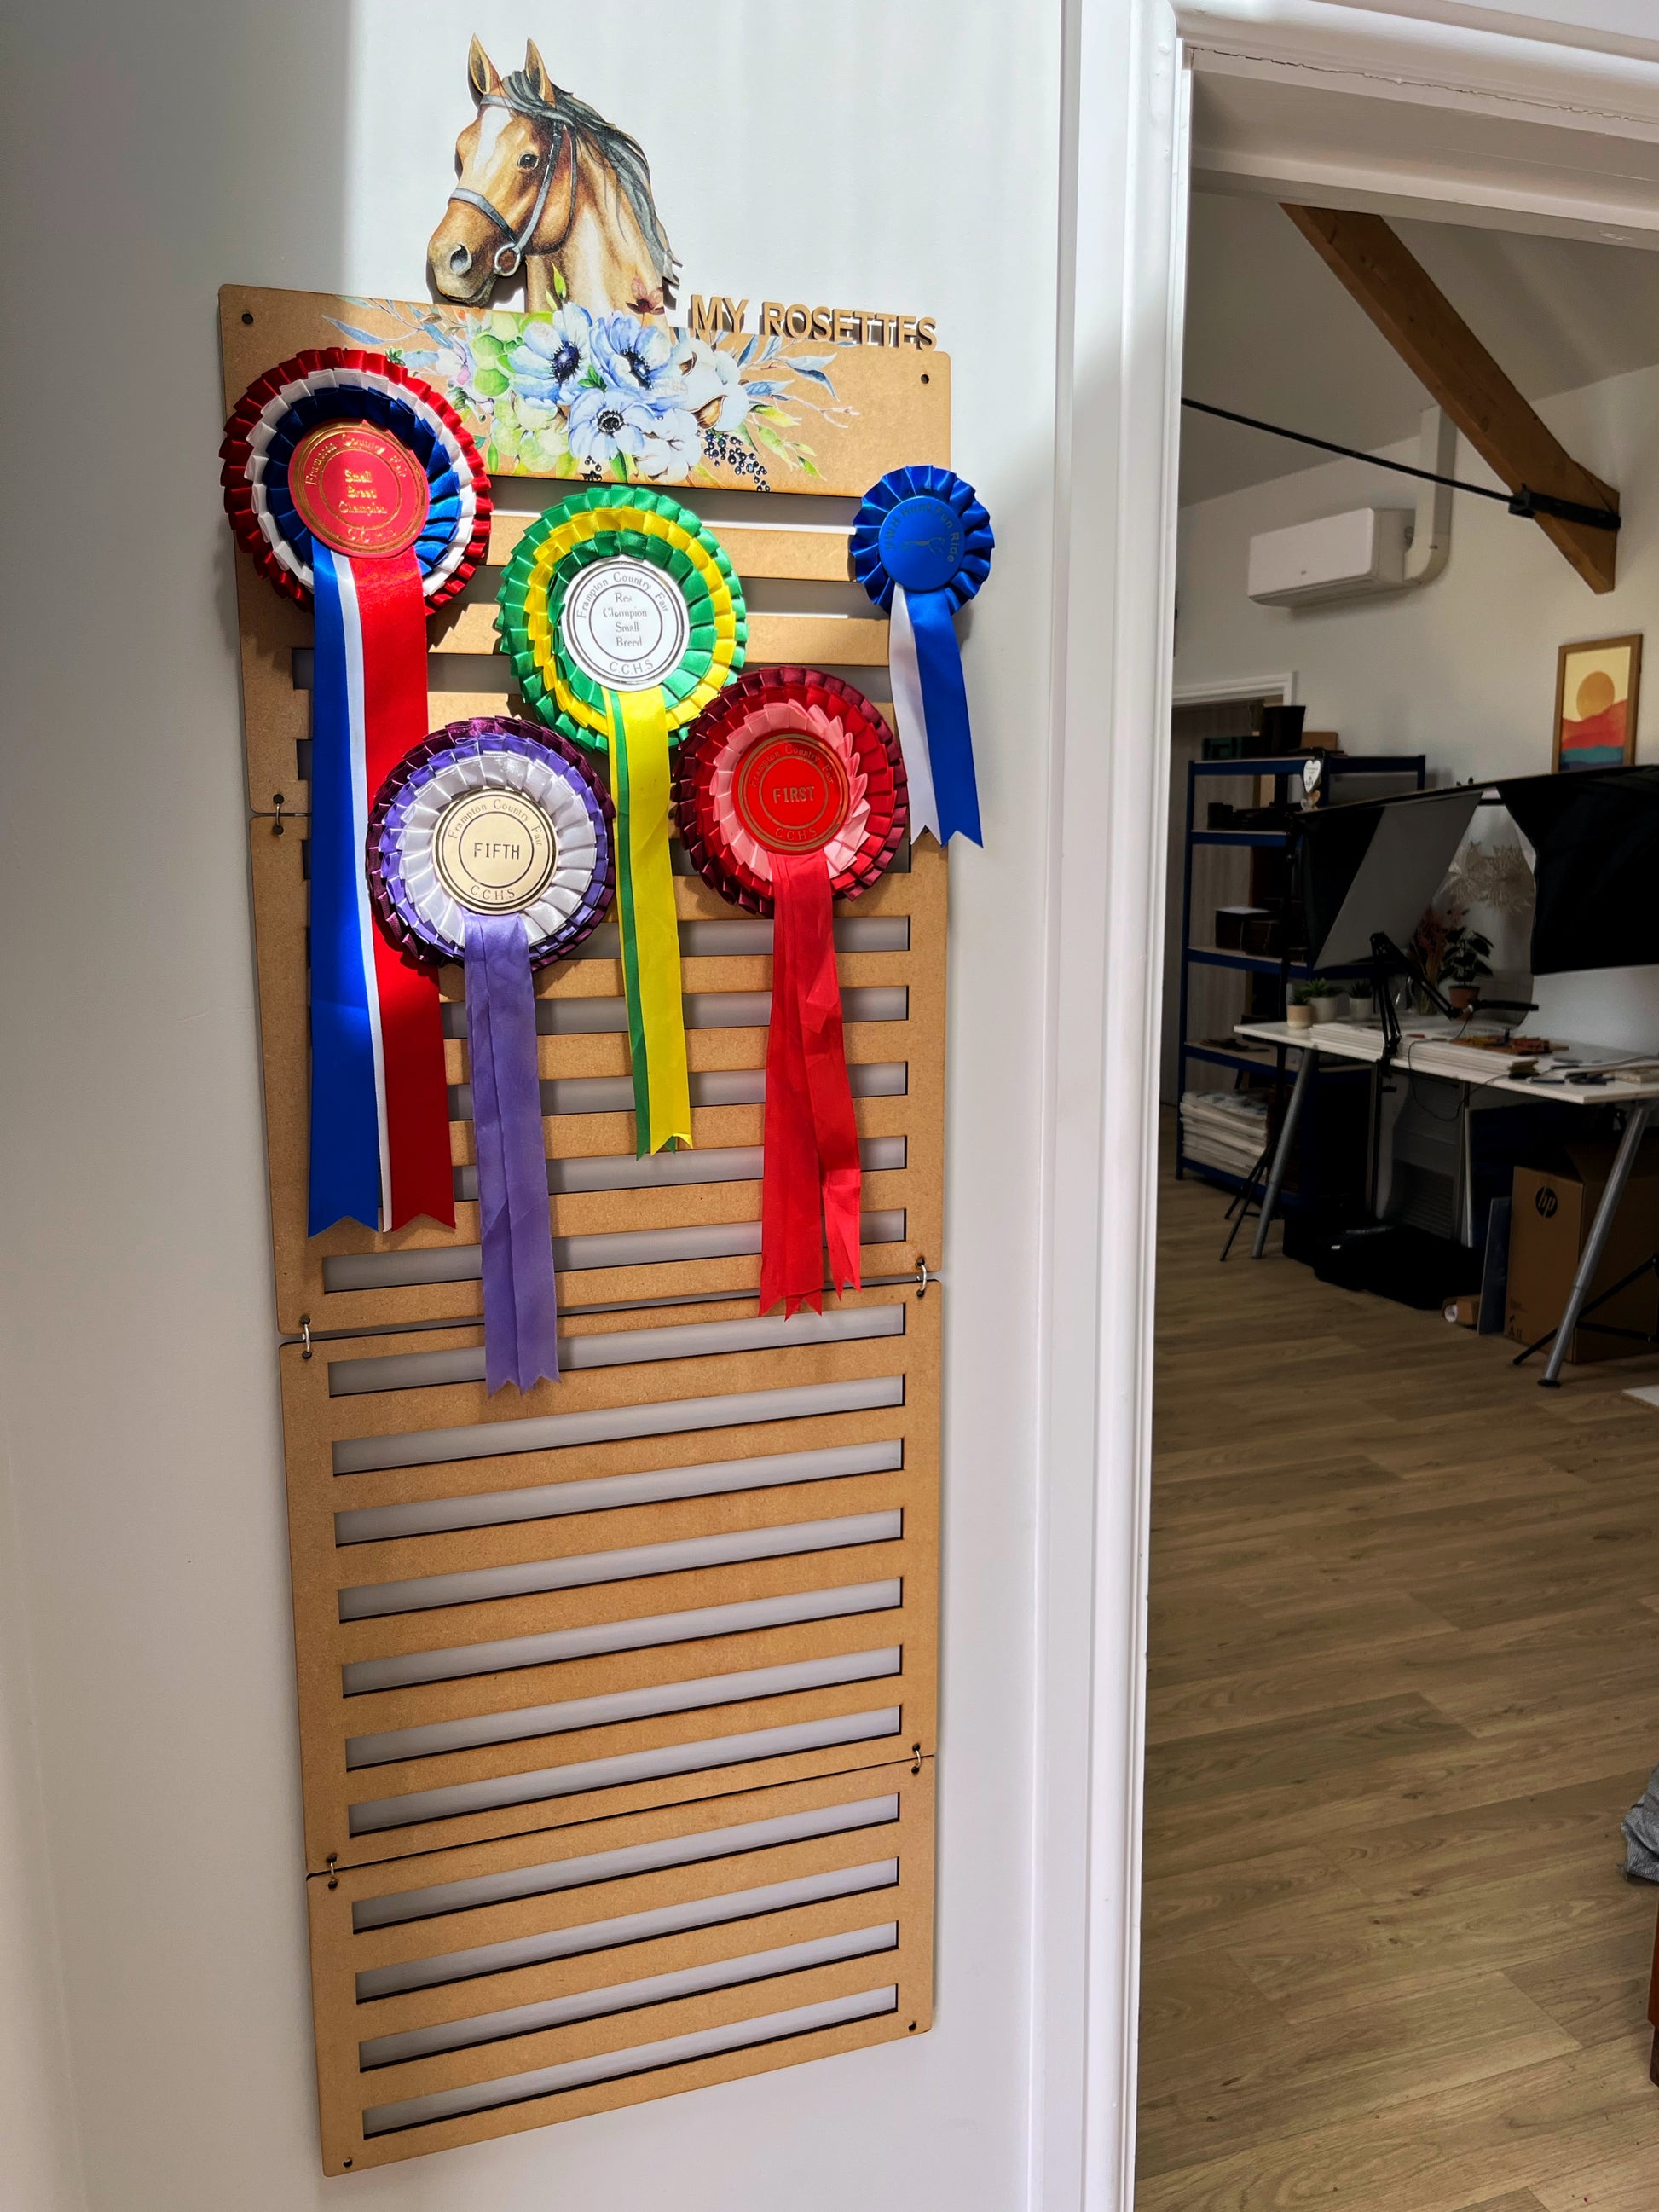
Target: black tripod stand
point(1649, 1337)
point(1239, 1212)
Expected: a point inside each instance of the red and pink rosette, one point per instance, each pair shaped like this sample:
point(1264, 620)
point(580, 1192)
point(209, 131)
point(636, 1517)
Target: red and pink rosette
point(790, 793)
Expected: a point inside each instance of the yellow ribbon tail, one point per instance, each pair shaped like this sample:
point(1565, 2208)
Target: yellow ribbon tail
point(649, 926)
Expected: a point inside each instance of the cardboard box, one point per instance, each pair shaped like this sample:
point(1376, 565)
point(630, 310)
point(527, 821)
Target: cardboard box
point(1550, 1219)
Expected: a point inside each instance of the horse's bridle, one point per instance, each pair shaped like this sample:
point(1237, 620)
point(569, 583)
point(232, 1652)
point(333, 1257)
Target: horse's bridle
point(506, 258)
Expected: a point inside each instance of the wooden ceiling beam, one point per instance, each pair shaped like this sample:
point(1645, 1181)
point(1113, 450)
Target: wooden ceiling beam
point(1379, 271)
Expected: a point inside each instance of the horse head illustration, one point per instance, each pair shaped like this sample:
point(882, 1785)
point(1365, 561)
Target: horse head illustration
point(544, 181)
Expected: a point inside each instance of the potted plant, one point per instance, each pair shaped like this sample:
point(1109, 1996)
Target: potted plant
point(1329, 1000)
point(1451, 955)
point(1298, 1014)
point(1462, 965)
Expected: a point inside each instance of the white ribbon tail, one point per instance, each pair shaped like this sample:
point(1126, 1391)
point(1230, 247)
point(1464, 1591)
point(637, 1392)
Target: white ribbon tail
point(912, 716)
point(351, 624)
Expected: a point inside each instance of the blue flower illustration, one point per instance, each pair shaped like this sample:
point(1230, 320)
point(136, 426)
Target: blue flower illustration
point(635, 357)
point(605, 422)
point(553, 356)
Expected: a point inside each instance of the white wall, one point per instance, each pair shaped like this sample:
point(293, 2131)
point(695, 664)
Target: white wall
point(1462, 669)
point(309, 145)
point(40, 2163)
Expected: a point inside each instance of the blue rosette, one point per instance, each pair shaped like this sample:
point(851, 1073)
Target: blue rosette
point(921, 548)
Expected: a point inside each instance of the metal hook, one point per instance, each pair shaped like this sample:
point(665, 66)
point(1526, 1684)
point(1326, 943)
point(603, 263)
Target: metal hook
point(304, 1336)
point(277, 813)
point(333, 1856)
point(922, 1276)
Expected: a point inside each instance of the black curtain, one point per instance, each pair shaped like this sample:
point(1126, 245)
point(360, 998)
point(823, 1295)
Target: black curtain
point(1596, 832)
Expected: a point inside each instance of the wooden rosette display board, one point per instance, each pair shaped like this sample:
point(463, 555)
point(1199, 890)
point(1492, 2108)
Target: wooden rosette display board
point(616, 1696)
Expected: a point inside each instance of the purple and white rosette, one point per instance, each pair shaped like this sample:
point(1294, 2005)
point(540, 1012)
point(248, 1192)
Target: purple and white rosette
point(491, 843)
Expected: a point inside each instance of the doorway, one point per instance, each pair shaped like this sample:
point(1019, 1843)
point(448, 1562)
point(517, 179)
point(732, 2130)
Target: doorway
point(1402, 1601)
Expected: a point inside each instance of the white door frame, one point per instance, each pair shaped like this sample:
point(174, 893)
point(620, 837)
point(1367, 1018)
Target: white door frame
point(1124, 182)
point(1221, 691)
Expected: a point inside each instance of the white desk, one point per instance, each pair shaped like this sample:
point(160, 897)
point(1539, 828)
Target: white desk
point(1432, 1048)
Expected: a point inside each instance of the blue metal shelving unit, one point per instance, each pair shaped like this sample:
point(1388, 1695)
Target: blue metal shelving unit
point(1281, 768)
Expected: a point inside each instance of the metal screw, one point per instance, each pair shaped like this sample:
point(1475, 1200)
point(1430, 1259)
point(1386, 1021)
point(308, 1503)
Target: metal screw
point(248, 317)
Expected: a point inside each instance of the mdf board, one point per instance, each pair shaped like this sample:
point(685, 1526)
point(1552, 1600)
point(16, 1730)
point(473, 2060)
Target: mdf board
point(706, 1558)
point(676, 1225)
point(688, 1591)
point(482, 1990)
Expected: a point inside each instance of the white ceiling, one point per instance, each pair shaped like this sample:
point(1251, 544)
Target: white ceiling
point(1271, 332)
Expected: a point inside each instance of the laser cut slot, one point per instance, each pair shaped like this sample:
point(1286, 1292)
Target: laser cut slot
point(627, 1997)
point(433, 1516)
point(584, 1570)
point(701, 1755)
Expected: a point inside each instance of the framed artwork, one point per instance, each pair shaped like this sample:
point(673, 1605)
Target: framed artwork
point(1596, 687)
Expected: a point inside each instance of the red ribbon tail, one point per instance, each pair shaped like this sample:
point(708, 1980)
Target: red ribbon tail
point(392, 609)
point(812, 1136)
point(792, 1249)
point(834, 1126)
point(417, 1091)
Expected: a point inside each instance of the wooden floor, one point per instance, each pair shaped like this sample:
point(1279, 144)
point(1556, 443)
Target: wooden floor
point(1404, 1681)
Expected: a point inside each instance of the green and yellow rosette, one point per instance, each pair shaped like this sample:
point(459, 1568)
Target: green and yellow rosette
point(622, 618)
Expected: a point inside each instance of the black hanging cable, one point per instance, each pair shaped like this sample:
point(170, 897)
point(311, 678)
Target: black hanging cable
point(1522, 502)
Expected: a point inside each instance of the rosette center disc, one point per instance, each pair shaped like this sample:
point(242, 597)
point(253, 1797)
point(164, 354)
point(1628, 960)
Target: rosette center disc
point(921, 542)
point(495, 851)
point(357, 491)
point(791, 793)
point(625, 624)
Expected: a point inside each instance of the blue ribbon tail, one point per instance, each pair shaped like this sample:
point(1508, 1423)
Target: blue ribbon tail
point(944, 698)
point(520, 1299)
point(345, 1135)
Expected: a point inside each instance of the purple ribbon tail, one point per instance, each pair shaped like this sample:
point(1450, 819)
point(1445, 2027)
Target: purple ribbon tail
point(520, 1300)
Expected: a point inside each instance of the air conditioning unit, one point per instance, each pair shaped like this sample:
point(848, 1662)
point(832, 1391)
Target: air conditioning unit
point(1343, 556)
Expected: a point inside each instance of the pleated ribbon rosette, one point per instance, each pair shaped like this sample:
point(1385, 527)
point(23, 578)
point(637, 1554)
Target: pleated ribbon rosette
point(622, 618)
point(356, 490)
point(491, 843)
point(921, 548)
point(790, 792)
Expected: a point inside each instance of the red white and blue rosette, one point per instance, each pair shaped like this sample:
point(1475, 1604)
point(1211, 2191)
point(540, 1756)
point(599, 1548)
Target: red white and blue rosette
point(269, 504)
point(921, 548)
point(356, 489)
point(492, 843)
point(790, 792)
